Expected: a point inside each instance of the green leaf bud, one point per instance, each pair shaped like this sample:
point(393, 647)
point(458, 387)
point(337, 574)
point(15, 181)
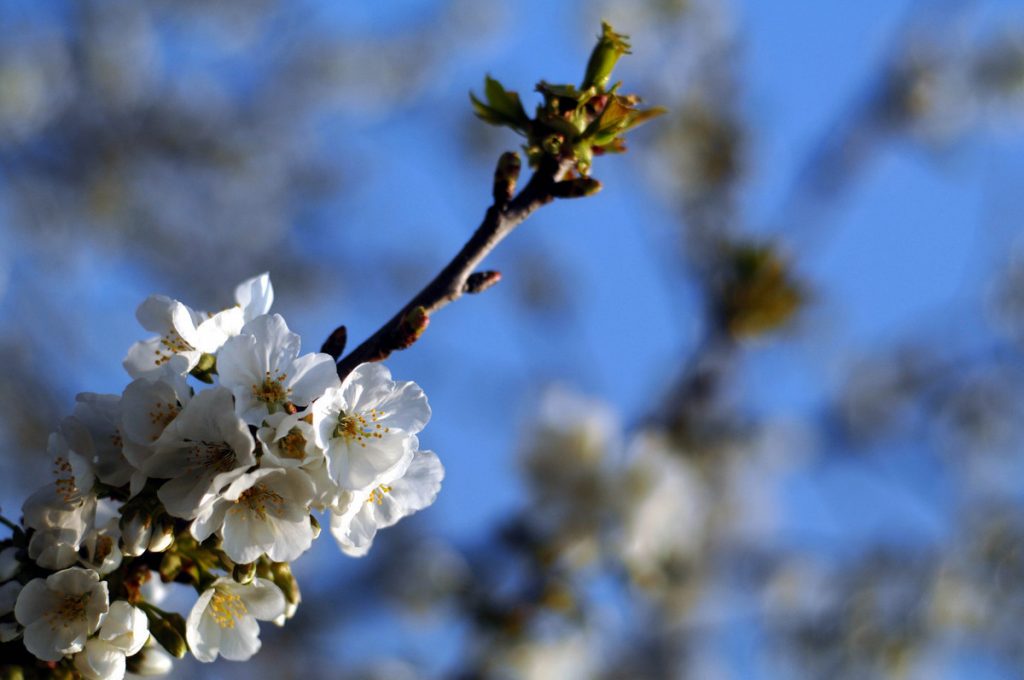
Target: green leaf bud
point(610, 47)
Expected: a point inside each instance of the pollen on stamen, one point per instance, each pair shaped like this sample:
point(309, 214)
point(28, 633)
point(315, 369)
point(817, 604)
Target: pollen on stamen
point(71, 608)
point(272, 390)
point(226, 608)
point(162, 414)
point(170, 344)
point(377, 495)
point(293, 444)
point(67, 489)
point(262, 501)
point(356, 427)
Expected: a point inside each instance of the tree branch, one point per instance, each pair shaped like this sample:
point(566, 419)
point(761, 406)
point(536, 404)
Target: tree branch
point(504, 215)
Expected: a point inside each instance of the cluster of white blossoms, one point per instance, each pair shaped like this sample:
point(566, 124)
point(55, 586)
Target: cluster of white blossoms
point(211, 487)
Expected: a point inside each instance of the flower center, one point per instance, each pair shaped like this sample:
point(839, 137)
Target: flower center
point(377, 495)
point(170, 344)
point(271, 391)
point(70, 610)
point(103, 549)
point(217, 456)
point(357, 428)
point(162, 414)
point(262, 501)
point(293, 444)
point(226, 608)
point(67, 490)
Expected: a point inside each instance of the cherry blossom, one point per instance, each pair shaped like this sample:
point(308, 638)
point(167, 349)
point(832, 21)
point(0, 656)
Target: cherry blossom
point(385, 504)
point(202, 451)
point(223, 621)
point(261, 512)
point(122, 634)
point(368, 426)
point(61, 611)
point(264, 371)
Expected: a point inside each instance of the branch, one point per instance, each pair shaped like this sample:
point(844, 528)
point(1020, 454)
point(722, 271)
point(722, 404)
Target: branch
point(504, 215)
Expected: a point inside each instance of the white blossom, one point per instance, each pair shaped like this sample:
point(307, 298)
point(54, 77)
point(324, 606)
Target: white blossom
point(184, 335)
point(666, 519)
point(245, 461)
point(94, 431)
point(147, 407)
point(203, 450)
point(263, 369)
point(61, 611)
point(368, 426)
point(223, 620)
point(124, 631)
point(382, 506)
point(262, 512)
point(63, 511)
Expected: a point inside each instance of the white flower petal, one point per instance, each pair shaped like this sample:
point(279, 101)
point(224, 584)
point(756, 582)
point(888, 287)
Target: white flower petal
point(100, 661)
point(255, 296)
point(311, 375)
point(413, 491)
point(125, 627)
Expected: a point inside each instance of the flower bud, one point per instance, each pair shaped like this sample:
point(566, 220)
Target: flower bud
point(335, 343)
point(506, 174)
point(169, 631)
point(281, 575)
point(136, 531)
point(163, 535)
point(610, 47)
point(152, 660)
point(413, 324)
point(9, 563)
point(478, 282)
point(244, 573)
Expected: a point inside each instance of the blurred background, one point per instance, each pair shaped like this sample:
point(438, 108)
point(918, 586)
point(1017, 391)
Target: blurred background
point(754, 411)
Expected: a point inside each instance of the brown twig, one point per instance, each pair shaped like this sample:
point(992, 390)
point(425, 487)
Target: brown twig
point(504, 215)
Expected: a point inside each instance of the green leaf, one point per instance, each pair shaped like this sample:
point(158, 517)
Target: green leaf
point(505, 103)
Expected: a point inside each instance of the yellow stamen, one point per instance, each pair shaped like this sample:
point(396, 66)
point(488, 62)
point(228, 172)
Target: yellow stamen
point(170, 344)
point(357, 428)
point(293, 444)
point(377, 495)
point(262, 501)
point(226, 608)
point(271, 391)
